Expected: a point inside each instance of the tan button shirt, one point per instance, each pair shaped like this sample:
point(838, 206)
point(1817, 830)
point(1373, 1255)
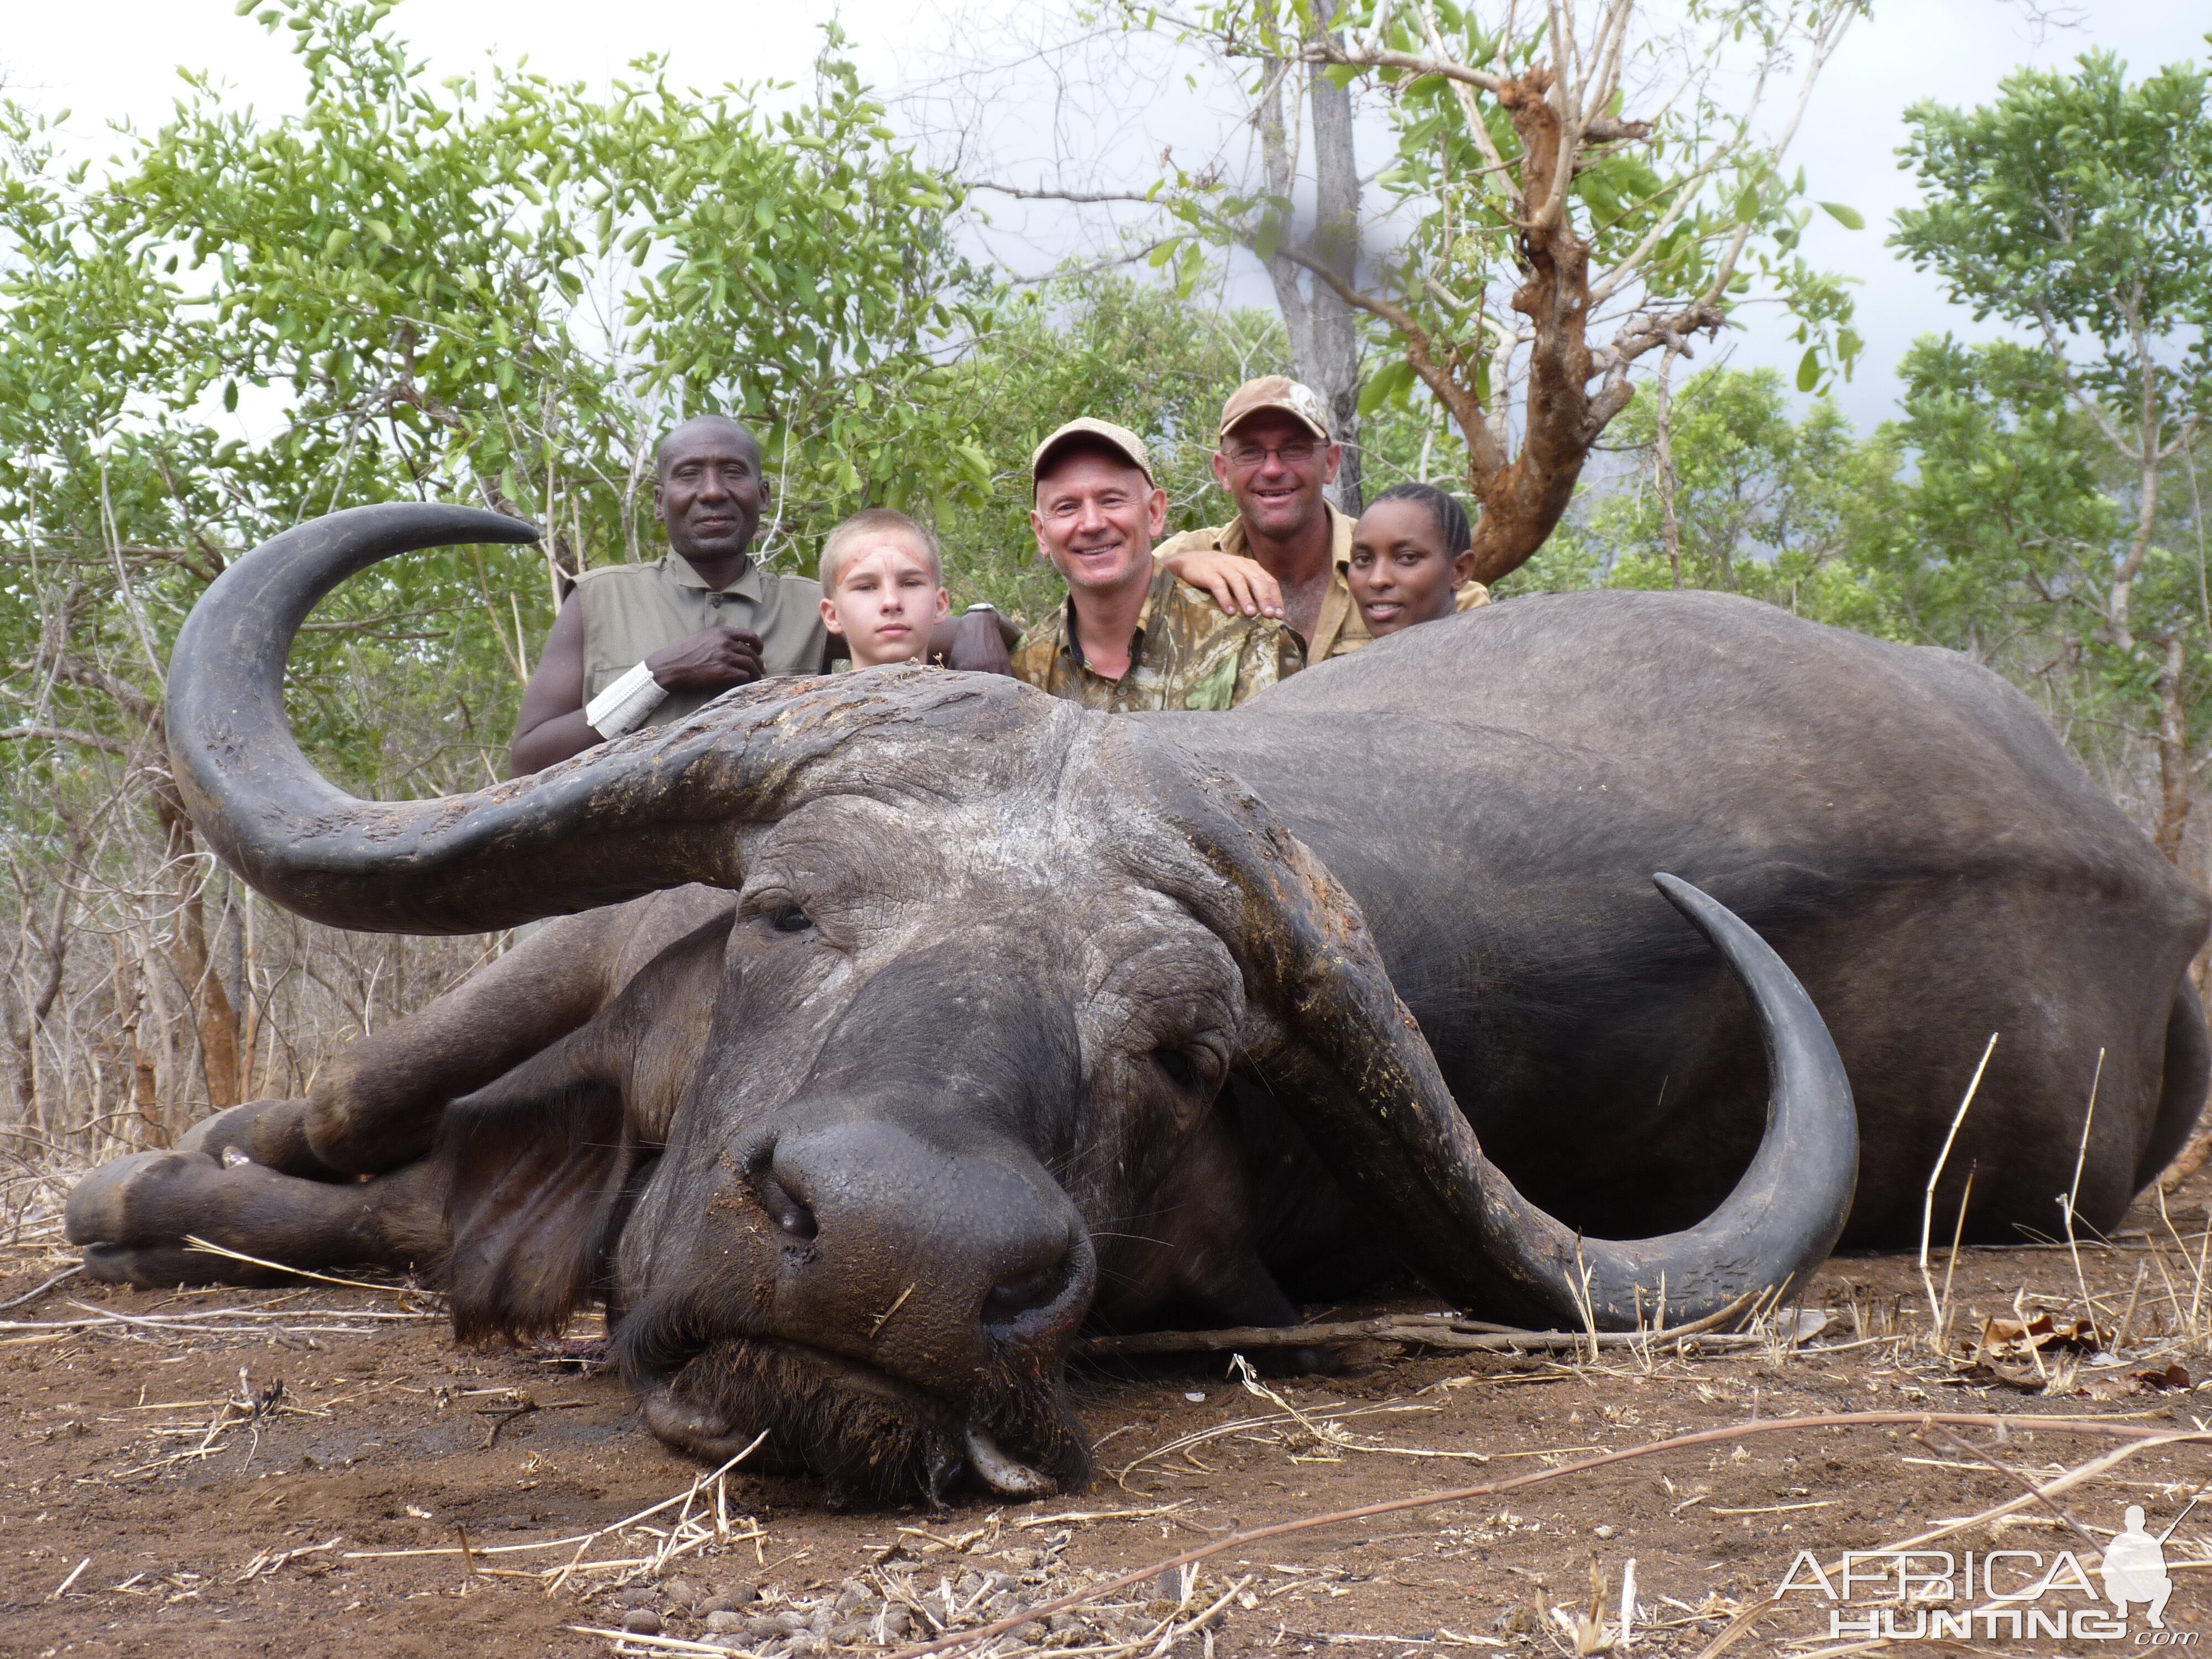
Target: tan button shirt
point(632, 610)
point(1184, 654)
point(1341, 629)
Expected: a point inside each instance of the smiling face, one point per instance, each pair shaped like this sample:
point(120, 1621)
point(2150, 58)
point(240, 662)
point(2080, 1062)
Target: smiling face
point(1275, 467)
point(711, 488)
point(1400, 573)
point(1097, 517)
point(886, 598)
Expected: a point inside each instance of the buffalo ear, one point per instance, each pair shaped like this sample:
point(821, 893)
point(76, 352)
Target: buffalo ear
point(541, 1167)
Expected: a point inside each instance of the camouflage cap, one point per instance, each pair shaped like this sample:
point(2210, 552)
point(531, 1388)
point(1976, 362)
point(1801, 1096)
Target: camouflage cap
point(1277, 392)
point(1113, 437)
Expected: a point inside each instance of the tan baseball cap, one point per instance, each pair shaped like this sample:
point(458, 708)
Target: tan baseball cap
point(1277, 392)
point(1115, 437)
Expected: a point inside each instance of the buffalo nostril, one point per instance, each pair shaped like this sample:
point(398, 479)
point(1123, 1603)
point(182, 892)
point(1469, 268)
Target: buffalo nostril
point(784, 1207)
point(1005, 1302)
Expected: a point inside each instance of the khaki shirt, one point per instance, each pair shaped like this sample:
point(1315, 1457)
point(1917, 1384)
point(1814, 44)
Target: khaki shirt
point(632, 610)
point(1184, 654)
point(1341, 629)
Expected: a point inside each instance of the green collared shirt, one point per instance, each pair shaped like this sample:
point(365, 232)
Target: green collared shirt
point(632, 610)
point(1184, 654)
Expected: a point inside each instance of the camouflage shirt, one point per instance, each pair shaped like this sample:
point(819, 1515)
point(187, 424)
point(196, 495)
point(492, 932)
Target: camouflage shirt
point(1185, 654)
point(1341, 629)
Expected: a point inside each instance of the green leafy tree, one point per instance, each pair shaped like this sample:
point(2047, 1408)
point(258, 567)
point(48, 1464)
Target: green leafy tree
point(1562, 241)
point(496, 290)
point(1766, 506)
point(2079, 206)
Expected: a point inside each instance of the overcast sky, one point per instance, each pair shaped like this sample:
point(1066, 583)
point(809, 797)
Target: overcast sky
point(118, 61)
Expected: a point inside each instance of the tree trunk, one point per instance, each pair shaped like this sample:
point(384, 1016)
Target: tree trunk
point(1662, 462)
point(2173, 750)
point(214, 1019)
point(1324, 344)
point(2124, 580)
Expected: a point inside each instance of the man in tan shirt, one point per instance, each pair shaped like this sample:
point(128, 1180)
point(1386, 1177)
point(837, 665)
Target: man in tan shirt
point(1276, 457)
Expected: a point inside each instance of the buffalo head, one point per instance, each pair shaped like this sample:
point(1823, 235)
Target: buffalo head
point(854, 1165)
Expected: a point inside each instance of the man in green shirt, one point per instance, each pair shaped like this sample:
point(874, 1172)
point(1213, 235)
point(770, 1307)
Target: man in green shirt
point(699, 619)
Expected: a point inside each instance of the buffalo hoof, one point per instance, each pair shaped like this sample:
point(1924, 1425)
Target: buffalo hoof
point(269, 1132)
point(134, 1215)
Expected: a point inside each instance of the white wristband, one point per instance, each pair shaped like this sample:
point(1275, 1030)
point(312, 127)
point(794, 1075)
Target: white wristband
point(623, 707)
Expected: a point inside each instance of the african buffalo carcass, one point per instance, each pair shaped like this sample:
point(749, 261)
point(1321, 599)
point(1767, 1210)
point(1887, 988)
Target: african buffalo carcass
point(958, 1016)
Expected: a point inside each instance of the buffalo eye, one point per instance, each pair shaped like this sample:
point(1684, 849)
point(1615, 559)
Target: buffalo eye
point(789, 919)
point(1181, 1070)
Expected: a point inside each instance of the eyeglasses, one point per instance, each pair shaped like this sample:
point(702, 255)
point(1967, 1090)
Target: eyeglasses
point(1249, 457)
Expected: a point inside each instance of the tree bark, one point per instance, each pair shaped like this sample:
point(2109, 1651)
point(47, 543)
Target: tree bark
point(1662, 461)
point(2124, 580)
point(1324, 343)
point(214, 1019)
point(2173, 779)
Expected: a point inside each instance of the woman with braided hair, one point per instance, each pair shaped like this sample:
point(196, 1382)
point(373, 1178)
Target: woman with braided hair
point(1410, 557)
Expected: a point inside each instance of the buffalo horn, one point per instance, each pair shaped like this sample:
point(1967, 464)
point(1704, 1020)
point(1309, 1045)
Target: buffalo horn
point(1355, 1071)
point(655, 810)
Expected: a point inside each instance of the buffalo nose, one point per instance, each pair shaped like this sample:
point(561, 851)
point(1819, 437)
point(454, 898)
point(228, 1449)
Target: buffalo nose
point(921, 1253)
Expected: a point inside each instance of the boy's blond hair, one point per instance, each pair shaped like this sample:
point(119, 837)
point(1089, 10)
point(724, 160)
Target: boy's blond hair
point(874, 521)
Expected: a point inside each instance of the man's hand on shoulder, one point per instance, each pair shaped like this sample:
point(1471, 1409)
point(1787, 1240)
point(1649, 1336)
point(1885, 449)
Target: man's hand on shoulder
point(712, 659)
point(1241, 586)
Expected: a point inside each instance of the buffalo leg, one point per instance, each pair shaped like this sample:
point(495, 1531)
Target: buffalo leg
point(134, 1215)
point(379, 1104)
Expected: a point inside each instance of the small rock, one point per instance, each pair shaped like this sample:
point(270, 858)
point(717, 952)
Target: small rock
point(851, 1633)
point(805, 1644)
point(733, 1596)
point(1032, 1632)
point(821, 1619)
point(766, 1630)
point(853, 1596)
point(1605, 1532)
point(642, 1622)
point(682, 1591)
point(721, 1621)
point(639, 1596)
point(1064, 1621)
point(896, 1619)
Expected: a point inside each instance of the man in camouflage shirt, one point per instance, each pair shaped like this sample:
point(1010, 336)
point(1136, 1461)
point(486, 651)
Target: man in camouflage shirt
point(1131, 637)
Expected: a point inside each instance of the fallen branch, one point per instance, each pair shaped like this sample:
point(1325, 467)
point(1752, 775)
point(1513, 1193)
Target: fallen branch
point(1242, 1540)
point(33, 1295)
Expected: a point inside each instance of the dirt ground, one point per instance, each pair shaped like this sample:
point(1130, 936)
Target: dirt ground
point(296, 1472)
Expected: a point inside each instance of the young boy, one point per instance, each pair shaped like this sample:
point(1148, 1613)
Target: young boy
point(883, 586)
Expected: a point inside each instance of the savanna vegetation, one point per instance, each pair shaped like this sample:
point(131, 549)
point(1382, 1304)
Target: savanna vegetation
point(500, 289)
